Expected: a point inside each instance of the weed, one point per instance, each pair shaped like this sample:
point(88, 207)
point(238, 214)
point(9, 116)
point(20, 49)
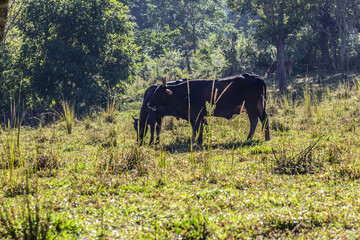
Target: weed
point(329, 94)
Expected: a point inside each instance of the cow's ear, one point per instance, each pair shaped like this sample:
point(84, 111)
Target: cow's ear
point(168, 92)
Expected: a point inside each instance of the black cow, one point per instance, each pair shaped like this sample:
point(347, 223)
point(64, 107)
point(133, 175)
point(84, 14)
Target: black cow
point(227, 94)
point(151, 118)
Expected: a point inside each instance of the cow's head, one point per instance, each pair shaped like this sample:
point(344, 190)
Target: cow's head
point(136, 123)
point(160, 97)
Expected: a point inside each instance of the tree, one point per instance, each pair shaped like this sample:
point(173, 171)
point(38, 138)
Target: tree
point(78, 50)
point(3, 17)
point(325, 26)
point(194, 19)
point(276, 19)
point(347, 17)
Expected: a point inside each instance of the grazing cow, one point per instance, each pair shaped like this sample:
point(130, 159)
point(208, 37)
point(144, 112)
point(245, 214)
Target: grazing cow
point(288, 67)
point(152, 118)
point(228, 95)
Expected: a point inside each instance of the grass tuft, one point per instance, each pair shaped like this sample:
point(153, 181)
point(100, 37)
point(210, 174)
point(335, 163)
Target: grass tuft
point(45, 163)
point(112, 107)
point(118, 163)
point(303, 163)
point(67, 116)
point(10, 157)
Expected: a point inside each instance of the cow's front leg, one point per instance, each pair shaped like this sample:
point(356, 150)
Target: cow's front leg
point(141, 132)
point(158, 130)
point(152, 130)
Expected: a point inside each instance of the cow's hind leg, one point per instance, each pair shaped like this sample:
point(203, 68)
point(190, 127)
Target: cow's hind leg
point(265, 125)
point(253, 123)
point(152, 123)
point(264, 119)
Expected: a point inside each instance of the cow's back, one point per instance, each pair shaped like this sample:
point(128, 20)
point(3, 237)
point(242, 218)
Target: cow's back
point(234, 91)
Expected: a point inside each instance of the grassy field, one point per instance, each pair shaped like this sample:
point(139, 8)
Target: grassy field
point(88, 179)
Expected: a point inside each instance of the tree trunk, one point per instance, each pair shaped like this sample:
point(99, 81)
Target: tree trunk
point(187, 59)
point(333, 47)
point(194, 38)
point(3, 16)
point(324, 48)
point(281, 73)
point(344, 22)
point(343, 42)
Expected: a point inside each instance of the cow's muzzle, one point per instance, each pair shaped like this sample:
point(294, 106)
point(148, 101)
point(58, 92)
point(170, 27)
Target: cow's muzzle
point(153, 108)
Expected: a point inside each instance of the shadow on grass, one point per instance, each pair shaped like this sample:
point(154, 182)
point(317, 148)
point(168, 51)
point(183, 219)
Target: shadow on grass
point(184, 145)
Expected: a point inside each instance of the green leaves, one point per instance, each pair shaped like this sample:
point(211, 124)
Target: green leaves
point(76, 49)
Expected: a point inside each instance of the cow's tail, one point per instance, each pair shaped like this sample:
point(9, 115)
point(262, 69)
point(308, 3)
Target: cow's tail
point(264, 97)
point(265, 120)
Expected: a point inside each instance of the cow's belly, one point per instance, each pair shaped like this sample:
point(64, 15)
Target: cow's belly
point(228, 113)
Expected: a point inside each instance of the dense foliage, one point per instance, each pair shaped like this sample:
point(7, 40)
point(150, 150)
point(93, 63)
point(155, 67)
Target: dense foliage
point(63, 54)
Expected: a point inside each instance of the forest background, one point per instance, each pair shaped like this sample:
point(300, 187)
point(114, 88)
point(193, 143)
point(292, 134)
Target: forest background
point(117, 48)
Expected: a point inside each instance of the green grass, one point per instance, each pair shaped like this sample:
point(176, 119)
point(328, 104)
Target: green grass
point(98, 183)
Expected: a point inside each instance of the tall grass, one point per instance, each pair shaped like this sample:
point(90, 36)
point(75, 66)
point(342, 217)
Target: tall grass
point(67, 116)
point(10, 140)
point(10, 155)
point(112, 106)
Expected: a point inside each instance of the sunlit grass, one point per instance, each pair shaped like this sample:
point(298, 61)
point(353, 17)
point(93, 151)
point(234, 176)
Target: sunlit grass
point(98, 183)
